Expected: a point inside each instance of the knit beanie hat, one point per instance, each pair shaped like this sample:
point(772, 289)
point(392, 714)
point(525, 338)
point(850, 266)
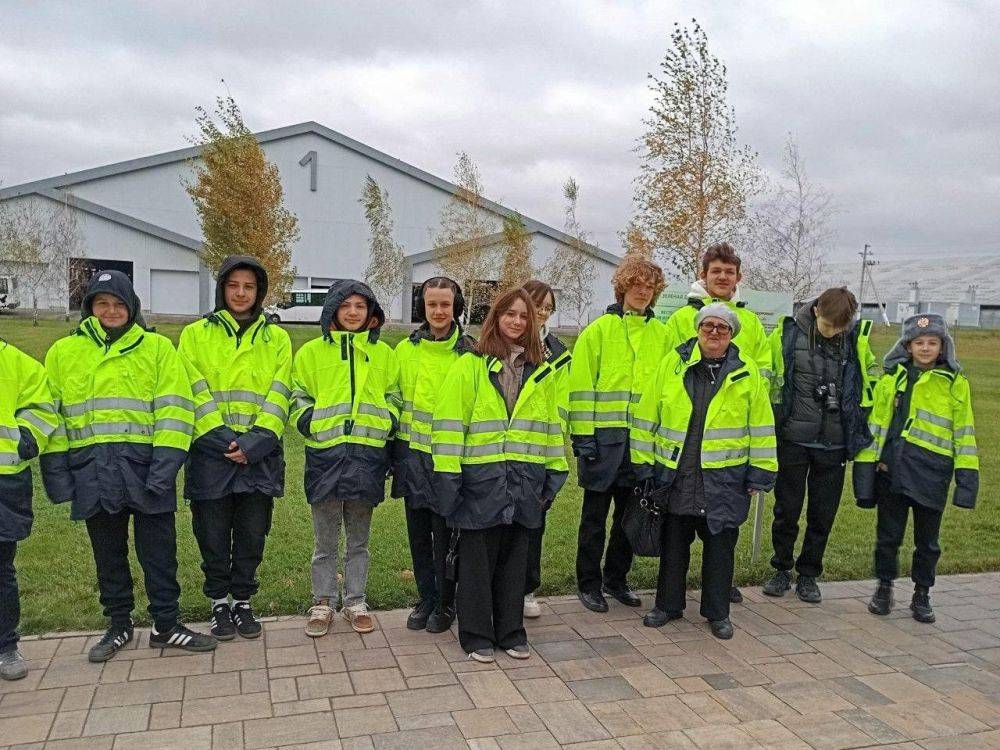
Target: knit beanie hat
point(719, 310)
point(923, 324)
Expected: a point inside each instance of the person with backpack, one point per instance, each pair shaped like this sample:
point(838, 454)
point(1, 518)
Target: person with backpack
point(924, 436)
point(499, 460)
point(126, 419)
point(425, 357)
point(239, 365)
point(346, 404)
point(27, 419)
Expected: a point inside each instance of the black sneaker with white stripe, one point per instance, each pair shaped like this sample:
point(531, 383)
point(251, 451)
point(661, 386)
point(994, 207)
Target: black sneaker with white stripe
point(222, 619)
point(113, 641)
point(244, 620)
point(180, 637)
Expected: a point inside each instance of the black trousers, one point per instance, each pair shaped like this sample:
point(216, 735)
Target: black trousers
point(156, 549)
point(10, 602)
point(820, 472)
point(231, 531)
point(490, 596)
point(590, 542)
point(429, 537)
point(893, 511)
point(533, 574)
point(717, 556)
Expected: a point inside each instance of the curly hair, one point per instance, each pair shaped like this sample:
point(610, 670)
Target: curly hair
point(634, 269)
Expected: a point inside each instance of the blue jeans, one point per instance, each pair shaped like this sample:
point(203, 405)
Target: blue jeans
point(10, 603)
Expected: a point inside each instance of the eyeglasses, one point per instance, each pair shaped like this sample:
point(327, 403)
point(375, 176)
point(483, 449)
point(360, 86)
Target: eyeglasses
point(548, 310)
point(715, 327)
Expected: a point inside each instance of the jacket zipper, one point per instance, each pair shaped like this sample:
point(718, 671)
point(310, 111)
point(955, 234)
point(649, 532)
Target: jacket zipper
point(349, 339)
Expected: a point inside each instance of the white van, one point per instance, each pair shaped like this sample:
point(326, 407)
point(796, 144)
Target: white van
point(302, 306)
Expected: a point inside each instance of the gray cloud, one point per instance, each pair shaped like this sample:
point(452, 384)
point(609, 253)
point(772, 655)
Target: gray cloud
point(895, 108)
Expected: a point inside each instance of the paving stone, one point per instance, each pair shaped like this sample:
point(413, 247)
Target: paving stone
point(439, 738)
point(490, 689)
point(139, 692)
point(602, 689)
point(194, 738)
point(165, 715)
point(431, 680)
point(827, 731)
point(358, 701)
point(31, 702)
point(583, 669)
point(232, 658)
point(525, 718)
point(288, 730)
point(857, 692)
point(352, 722)
point(253, 681)
point(429, 700)
point(68, 724)
point(77, 698)
point(116, 720)
point(69, 671)
point(82, 743)
point(615, 719)
point(425, 721)
point(528, 741)
point(212, 685)
point(688, 665)
point(675, 740)
point(372, 658)
point(557, 651)
point(773, 736)
point(918, 721)
point(719, 737)
point(332, 661)
point(484, 722)
point(171, 666)
point(377, 680)
point(290, 708)
point(283, 690)
point(854, 660)
point(708, 709)
point(570, 721)
point(292, 655)
point(227, 707)
point(752, 703)
point(544, 689)
point(416, 665)
point(877, 729)
point(812, 697)
point(324, 686)
point(819, 666)
point(662, 714)
point(227, 736)
point(900, 688)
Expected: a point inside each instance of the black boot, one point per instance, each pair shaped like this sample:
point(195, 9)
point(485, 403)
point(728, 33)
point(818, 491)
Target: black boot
point(657, 618)
point(420, 614)
point(441, 619)
point(921, 605)
point(881, 603)
point(735, 595)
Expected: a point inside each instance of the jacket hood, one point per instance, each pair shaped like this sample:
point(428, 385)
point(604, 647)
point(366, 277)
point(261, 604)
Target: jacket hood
point(698, 291)
point(230, 264)
point(118, 284)
point(618, 309)
point(341, 290)
point(463, 341)
point(919, 325)
point(804, 317)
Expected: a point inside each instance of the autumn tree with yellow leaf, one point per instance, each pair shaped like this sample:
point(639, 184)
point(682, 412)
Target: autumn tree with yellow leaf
point(515, 268)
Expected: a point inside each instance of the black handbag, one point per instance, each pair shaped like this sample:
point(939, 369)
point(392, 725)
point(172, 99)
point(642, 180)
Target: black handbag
point(642, 524)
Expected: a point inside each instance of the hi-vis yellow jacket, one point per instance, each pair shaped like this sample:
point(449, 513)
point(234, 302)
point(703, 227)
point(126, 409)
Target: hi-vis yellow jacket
point(938, 439)
point(27, 418)
point(613, 361)
point(423, 366)
point(492, 469)
point(126, 419)
point(738, 447)
point(241, 385)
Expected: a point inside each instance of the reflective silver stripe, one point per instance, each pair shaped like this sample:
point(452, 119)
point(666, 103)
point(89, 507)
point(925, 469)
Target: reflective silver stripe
point(966, 450)
point(359, 431)
point(447, 449)
point(449, 425)
point(600, 396)
point(279, 387)
point(640, 445)
point(407, 405)
point(636, 398)
point(302, 400)
point(274, 410)
point(610, 416)
point(764, 430)
point(963, 431)
point(763, 453)
point(94, 404)
point(161, 401)
point(205, 409)
point(933, 418)
point(177, 425)
point(766, 373)
point(643, 424)
point(423, 416)
point(421, 438)
point(723, 455)
point(374, 411)
point(725, 433)
point(247, 397)
point(60, 431)
point(9, 458)
point(488, 425)
point(929, 438)
point(531, 449)
point(28, 415)
point(11, 433)
point(489, 449)
point(199, 386)
point(331, 411)
point(670, 434)
point(536, 425)
point(581, 416)
point(45, 406)
point(109, 428)
point(243, 420)
point(563, 413)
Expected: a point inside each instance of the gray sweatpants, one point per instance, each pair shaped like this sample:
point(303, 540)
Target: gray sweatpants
point(356, 516)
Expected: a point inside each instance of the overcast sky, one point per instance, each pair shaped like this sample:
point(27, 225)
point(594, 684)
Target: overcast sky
point(896, 110)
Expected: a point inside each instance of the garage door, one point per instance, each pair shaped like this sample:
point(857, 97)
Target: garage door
point(174, 292)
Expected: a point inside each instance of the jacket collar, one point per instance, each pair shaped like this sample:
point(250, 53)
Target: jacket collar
point(91, 328)
point(619, 309)
point(230, 324)
point(423, 334)
point(690, 355)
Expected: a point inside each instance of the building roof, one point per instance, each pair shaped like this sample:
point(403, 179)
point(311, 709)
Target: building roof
point(277, 134)
point(493, 239)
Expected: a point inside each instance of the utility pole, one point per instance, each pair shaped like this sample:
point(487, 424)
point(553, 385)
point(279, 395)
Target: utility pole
point(864, 270)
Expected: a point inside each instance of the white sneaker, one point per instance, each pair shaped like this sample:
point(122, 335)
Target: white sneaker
point(532, 608)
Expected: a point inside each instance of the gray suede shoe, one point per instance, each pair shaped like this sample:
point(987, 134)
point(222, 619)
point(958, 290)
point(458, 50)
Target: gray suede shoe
point(12, 665)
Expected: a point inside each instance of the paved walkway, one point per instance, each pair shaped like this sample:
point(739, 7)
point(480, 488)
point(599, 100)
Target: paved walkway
point(795, 676)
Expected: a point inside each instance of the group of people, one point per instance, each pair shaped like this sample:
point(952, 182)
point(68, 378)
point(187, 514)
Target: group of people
point(687, 418)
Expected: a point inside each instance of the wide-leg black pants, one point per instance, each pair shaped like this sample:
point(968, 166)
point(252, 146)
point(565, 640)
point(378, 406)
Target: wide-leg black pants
point(590, 542)
point(717, 559)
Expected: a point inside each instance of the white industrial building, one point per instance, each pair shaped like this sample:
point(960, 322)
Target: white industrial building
point(136, 216)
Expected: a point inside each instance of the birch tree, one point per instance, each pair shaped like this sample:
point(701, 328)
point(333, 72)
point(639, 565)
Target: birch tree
point(572, 268)
point(695, 179)
point(387, 268)
point(517, 252)
point(239, 199)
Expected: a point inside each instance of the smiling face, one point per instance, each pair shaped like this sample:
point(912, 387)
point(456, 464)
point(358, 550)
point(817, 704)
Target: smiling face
point(714, 335)
point(925, 351)
point(514, 321)
point(720, 279)
point(439, 309)
point(110, 310)
point(639, 295)
point(352, 313)
point(240, 291)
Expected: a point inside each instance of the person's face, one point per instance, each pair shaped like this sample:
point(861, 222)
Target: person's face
point(352, 313)
point(110, 310)
point(544, 311)
point(925, 350)
point(439, 309)
point(827, 329)
point(240, 291)
point(720, 279)
point(514, 321)
point(639, 296)
point(714, 335)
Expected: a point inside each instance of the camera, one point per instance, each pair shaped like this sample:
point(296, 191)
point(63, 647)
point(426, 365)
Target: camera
point(826, 394)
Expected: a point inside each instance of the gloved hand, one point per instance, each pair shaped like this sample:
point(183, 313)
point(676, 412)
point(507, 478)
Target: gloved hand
point(27, 447)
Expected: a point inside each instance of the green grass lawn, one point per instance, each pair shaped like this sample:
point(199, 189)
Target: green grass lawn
point(59, 589)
